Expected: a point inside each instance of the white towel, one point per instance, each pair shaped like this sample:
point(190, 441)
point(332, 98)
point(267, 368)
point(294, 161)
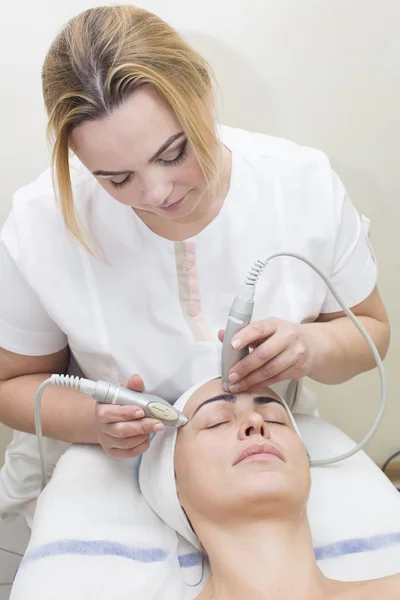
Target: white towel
point(94, 536)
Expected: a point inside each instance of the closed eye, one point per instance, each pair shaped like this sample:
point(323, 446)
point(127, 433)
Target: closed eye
point(178, 159)
point(120, 184)
point(217, 425)
point(274, 422)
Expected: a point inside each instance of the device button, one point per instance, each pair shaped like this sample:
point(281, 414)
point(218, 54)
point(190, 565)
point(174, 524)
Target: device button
point(160, 411)
point(235, 320)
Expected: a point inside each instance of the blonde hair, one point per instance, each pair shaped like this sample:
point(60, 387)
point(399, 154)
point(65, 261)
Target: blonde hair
point(98, 60)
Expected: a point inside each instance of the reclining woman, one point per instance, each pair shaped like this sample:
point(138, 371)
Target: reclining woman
point(235, 482)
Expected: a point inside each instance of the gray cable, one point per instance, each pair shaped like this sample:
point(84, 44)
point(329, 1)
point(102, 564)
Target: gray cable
point(59, 380)
point(11, 552)
point(39, 434)
point(250, 284)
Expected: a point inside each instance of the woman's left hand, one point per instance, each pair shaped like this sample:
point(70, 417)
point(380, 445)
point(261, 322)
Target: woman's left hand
point(280, 351)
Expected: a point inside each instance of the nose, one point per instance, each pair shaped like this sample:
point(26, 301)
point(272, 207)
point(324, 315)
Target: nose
point(254, 424)
point(156, 192)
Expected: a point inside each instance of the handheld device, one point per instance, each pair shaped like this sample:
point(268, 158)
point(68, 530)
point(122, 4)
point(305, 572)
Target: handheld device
point(240, 316)
point(152, 406)
point(106, 393)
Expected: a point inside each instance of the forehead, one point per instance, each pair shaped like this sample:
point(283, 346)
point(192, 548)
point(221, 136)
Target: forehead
point(135, 129)
point(214, 388)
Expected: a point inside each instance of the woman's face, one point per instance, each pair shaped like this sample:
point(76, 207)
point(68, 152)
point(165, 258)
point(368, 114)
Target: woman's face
point(140, 156)
point(237, 455)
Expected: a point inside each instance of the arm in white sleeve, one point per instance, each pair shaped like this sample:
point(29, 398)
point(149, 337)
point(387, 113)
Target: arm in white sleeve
point(337, 349)
point(25, 327)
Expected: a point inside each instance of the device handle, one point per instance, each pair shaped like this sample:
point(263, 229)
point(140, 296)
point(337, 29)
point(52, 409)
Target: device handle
point(230, 356)
point(152, 406)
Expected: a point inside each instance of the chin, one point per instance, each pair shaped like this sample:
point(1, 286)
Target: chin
point(267, 483)
point(183, 213)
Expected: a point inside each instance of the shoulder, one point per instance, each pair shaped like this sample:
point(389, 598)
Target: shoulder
point(275, 148)
point(39, 194)
point(35, 211)
point(303, 180)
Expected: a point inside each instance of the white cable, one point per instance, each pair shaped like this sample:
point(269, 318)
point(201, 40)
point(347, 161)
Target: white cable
point(251, 281)
point(59, 380)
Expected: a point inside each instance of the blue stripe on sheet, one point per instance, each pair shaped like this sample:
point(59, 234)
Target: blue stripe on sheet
point(152, 555)
point(95, 548)
point(357, 546)
point(190, 560)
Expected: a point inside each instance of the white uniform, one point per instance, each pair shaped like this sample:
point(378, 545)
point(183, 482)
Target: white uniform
point(154, 307)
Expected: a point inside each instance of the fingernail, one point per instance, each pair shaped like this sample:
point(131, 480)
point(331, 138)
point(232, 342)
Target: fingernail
point(139, 413)
point(233, 377)
point(236, 344)
point(234, 388)
point(158, 427)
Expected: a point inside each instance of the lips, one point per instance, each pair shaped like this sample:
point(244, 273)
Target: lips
point(264, 448)
point(172, 206)
point(175, 205)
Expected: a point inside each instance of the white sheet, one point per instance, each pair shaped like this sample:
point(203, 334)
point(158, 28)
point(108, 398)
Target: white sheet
point(93, 535)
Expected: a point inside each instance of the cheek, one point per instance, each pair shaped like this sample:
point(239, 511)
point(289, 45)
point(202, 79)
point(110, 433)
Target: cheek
point(198, 469)
point(190, 173)
point(126, 195)
point(301, 466)
point(118, 195)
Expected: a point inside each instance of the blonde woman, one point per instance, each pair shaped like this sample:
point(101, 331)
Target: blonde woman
point(126, 254)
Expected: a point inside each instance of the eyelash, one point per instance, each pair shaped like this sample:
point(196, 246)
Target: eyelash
point(217, 425)
point(166, 163)
point(178, 160)
point(224, 422)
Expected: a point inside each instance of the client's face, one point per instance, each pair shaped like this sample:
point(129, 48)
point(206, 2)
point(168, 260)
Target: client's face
point(239, 453)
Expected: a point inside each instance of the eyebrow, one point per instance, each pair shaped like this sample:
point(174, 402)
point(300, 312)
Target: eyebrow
point(231, 398)
point(167, 144)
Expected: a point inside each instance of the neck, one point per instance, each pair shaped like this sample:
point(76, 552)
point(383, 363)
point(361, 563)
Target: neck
point(263, 560)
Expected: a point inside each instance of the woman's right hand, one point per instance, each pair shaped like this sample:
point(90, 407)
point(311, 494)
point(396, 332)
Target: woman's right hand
point(121, 430)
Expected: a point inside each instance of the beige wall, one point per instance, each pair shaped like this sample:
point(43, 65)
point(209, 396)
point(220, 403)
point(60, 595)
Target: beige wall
point(5, 436)
point(323, 73)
